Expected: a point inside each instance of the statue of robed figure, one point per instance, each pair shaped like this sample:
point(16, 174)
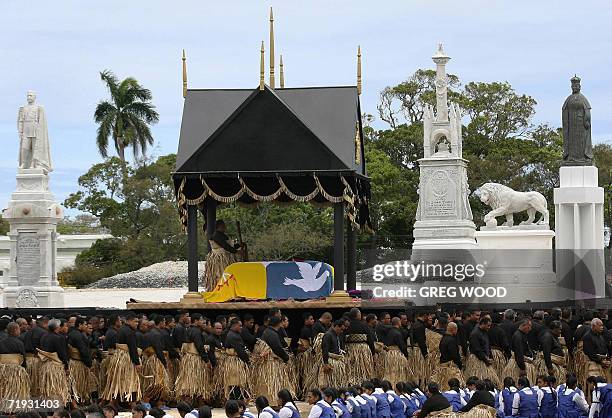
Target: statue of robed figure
point(33, 136)
point(576, 117)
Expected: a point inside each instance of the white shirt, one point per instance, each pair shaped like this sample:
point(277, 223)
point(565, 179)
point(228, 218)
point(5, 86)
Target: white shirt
point(361, 400)
point(516, 401)
point(454, 392)
point(266, 413)
point(595, 405)
point(316, 411)
point(286, 411)
point(370, 397)
point(390, 398)
point(502, 406)
point(577, 399)
point(190, 415)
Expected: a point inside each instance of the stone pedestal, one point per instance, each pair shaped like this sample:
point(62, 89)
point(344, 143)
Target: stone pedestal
point(580, 231)
point(444, 217)
point(33, 215)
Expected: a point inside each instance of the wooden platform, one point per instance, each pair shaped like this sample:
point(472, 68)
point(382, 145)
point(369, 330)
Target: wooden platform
point(248, 305)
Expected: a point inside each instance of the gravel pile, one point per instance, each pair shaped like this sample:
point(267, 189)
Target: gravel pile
point(166, 274)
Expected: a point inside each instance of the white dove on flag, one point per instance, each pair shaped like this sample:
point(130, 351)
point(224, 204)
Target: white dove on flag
point(311, 280)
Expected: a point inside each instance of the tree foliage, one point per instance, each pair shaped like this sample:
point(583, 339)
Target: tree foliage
point(126, 117)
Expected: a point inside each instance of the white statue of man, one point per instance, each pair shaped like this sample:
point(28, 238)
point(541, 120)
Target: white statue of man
point(33, 136)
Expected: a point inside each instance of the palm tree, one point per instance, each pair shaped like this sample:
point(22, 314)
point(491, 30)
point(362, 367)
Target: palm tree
point(126, 117)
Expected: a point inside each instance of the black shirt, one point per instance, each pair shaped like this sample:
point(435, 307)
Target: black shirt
point(178, 335)
point(498, 338)
point(248, 338)
point(110, 339)
point(235, 341)
point(480, 397)
point(479, 344)
point(521, 348)
point(55, 343)
point(434, 403)
point(509, 328)
point(394, 337)
point(329, 344)
point(550, 345)
point(359, 327)
point(222, 240)
point(449, 350)
point(318, 328)
point(595, 346)
point(272, 338)
point(32, 338)
point(155, 339)
point(127, 335)
point(77, 340)
point(194, 335)
point(418, 335)
point(13, 345)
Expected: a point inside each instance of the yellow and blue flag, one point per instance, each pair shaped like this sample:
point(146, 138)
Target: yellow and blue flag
point(274, 280)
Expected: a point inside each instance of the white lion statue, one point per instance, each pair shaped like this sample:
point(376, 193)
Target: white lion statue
point(506, 202)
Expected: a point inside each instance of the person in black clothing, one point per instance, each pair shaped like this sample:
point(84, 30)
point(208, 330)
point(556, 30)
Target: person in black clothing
point(435, 402)
point(193, 380)
point(418, 333)
point(31, 341)
point(537, 327)
point(481, 397)
point(394, 337)
point(332, 371)
point(178, 333)
point(236, 362)
point(595, 347)
point(80, 359)
point(383, 326)
point(566, 330)
point(221, 255)
point(303, 341)
point(322, 324)
point(359, 348)
point(497, 337)
point(54, 367)
point(272, 338)
point(122, 379)
point(110, 338)
point(549, 341)
point(14, 379)
point(248, 331)
point(449, 348)
point(154, 363)
point(406, 322)
point(521, 363)
point(141, 331)
point(508, 324)
point(466, 328)
point(479, 362)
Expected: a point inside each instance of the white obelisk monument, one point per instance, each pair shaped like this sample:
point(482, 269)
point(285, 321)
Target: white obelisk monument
point(33, 214)
point(444, 216)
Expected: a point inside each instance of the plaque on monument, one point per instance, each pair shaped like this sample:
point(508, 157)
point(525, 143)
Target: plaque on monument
point(440, 192)
point(28, 258)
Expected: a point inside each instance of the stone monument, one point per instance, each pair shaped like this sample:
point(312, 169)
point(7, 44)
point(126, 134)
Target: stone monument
point(33, 214)
point(579, 204)
point(444, 216)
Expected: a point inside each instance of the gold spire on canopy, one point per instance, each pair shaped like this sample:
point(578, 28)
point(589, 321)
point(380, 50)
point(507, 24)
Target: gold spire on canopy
point(261, 68)
point(359, 70)
point(184, 75)
point(272, 83)
point(282, 73)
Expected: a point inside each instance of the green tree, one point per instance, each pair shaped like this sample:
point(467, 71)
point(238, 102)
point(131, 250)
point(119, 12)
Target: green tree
point(602, 158)
point(4, 226)
point(126, 117)
point(80, 224)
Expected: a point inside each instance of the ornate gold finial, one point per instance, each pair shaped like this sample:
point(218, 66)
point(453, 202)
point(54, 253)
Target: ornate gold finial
point(272, 83)
point(359, 69)
point(184, 75)
point(261, 68)
point(282, 73)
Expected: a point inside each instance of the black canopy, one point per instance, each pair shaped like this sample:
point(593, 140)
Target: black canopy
point(290, 144)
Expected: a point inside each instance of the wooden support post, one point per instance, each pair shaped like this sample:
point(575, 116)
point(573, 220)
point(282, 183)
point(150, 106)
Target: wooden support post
point(192, 255)
point(339, 291)
point(351, 257)
point(211, 219)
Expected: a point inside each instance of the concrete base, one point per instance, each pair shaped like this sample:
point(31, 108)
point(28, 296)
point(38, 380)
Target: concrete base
point(515, 239)
point(580, 231)
point(33, 297)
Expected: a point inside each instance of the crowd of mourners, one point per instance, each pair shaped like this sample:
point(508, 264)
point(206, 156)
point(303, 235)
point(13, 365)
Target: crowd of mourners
point(542, 364)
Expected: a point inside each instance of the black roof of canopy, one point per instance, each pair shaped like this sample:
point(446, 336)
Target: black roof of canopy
point(263, 140)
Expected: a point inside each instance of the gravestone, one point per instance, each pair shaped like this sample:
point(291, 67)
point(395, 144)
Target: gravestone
point(33, 215)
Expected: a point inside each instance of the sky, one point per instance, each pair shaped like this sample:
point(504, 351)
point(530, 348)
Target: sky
point(57, 48)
